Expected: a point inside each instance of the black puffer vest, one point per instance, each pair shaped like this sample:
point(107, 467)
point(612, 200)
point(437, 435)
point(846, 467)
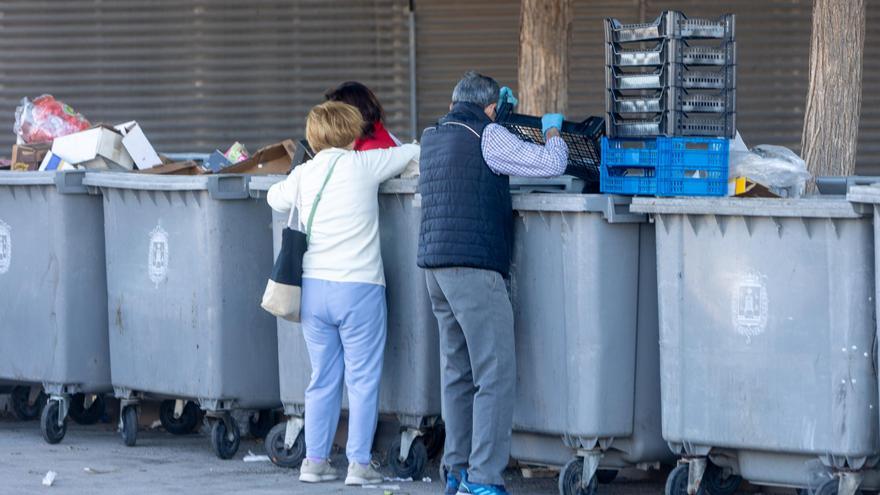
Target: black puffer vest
point(467, 218)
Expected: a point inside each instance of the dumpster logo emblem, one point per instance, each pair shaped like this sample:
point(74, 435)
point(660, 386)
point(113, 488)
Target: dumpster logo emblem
point(158, 262)
point(5, 246)
point(750, 306)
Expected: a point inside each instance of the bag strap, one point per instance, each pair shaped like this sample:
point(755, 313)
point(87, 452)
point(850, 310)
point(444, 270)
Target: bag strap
point(318, 198)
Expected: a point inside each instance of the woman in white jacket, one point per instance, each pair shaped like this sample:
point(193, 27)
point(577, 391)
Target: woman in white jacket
point(343, 297)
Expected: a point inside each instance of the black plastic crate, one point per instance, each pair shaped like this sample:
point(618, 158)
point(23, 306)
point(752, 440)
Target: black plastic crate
point(671, 99)
point(672, 124)
point(582, 139)
point(671, 51)
point(671, 24)
point(671, 75)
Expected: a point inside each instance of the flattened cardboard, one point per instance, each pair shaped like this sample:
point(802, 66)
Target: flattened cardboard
point(97, 148)
point(273, 159)
point(138, 146)
point(177, 168)
point(29, 156)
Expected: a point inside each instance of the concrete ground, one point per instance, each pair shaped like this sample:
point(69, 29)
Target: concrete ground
point(92, 459)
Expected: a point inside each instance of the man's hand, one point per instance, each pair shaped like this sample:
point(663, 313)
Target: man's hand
point(506, 96)
point(551, 122)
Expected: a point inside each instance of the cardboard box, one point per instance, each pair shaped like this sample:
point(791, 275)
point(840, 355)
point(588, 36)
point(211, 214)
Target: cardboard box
point(138, 146)
point(217, 161)
point(29, 156)
point(97, 148)
point(177, 168)
point(54, 162)
point(273, 159)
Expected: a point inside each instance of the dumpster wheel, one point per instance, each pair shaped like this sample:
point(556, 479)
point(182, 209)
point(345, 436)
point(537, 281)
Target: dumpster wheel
point(263, 424)
point(22, 407)
point(715, 483)
point(225, 437)
point(570, 479)
point(606, 476)
point(129, 419)
point(53, 430)
point(414, 465)
point(185, 424)
point(86, 415)
point(677, 481)
point(281, 456)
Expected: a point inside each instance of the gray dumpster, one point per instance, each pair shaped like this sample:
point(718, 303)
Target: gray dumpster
point(187, 261)
point(53, 312)
point(583, 289)
point(767, 342)
point(410, 388)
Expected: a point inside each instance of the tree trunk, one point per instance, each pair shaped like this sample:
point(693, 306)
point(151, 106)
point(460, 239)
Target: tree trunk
point(544, 38)
point(834, 97)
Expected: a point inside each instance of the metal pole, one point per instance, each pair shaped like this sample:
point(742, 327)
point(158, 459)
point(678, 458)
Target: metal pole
point(413, 95)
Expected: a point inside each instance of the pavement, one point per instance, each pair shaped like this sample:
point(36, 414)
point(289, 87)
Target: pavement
point(92, 459)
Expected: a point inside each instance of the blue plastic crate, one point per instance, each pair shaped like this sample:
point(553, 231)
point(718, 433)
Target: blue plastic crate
point(693, 166)
point(628, 166)
point(679, 166)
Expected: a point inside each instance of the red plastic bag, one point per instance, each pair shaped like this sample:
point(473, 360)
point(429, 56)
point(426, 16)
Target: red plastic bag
point(45, 119)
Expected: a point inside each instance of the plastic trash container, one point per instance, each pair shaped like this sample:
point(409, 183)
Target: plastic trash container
point(583, 287)
point(188, 258)
point(767, 342)
point(410, 387)
point(53, 312)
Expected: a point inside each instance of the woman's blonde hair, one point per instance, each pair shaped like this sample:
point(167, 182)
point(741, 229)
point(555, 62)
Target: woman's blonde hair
point(333, 124)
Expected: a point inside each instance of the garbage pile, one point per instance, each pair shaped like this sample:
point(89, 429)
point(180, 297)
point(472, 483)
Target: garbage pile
point(51, 136)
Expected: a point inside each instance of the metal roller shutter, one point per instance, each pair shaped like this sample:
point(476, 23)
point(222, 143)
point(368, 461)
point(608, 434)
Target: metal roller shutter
point(201, 74)
point(454, 36)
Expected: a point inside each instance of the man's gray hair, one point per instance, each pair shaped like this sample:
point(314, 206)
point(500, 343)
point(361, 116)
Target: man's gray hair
point(476, 88)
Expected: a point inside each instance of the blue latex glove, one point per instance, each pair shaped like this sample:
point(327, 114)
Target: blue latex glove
point(551, 120)
point(506, 95)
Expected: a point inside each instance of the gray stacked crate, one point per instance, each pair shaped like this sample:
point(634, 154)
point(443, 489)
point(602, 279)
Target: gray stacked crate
point(671, 77)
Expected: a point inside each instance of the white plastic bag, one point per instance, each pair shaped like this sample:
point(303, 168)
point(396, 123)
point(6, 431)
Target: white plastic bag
point(775, 167)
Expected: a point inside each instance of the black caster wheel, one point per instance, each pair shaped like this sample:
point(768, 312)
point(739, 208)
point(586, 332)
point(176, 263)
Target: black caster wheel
point(415, 462)
point(52, 431)
point(129, 425)
point(22, 408)
point(259, 427)
point(86, 416)
point(677, 481)
point(606, 476)
point(570, 480)
point(225, 440)
point(714, 482)
point(434, 440)
point(185, 424)
point(283, 457)
point(828, 487)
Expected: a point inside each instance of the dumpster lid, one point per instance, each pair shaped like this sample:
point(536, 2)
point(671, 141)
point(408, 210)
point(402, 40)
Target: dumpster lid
point(614, 208)
point(815, 207)
point(864, 194)
point(124, 180)
point(264, 182)
point(27, 178)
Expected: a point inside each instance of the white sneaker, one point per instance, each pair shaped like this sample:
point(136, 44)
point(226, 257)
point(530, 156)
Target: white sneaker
point(358, 474)
point(316, 472)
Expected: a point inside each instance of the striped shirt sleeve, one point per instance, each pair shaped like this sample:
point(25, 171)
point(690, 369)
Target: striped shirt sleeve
point(507, 154)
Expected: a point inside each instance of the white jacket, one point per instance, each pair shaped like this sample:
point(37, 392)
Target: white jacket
point(344, 244)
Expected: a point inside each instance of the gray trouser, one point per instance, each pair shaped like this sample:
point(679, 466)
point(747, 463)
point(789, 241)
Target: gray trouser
point(478, 369)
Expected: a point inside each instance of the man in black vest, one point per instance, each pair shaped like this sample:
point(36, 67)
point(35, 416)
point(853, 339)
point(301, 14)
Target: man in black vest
point(464, 246)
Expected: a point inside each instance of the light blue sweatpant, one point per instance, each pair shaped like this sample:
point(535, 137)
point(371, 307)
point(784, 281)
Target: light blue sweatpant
point(344, 325)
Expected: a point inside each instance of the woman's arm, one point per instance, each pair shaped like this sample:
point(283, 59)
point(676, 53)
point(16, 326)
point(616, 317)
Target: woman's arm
point(389, 162)
point(282, 195)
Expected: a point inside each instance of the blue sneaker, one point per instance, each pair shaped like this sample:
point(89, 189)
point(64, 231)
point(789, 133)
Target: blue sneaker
point(471, 488)
point(453, 482)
